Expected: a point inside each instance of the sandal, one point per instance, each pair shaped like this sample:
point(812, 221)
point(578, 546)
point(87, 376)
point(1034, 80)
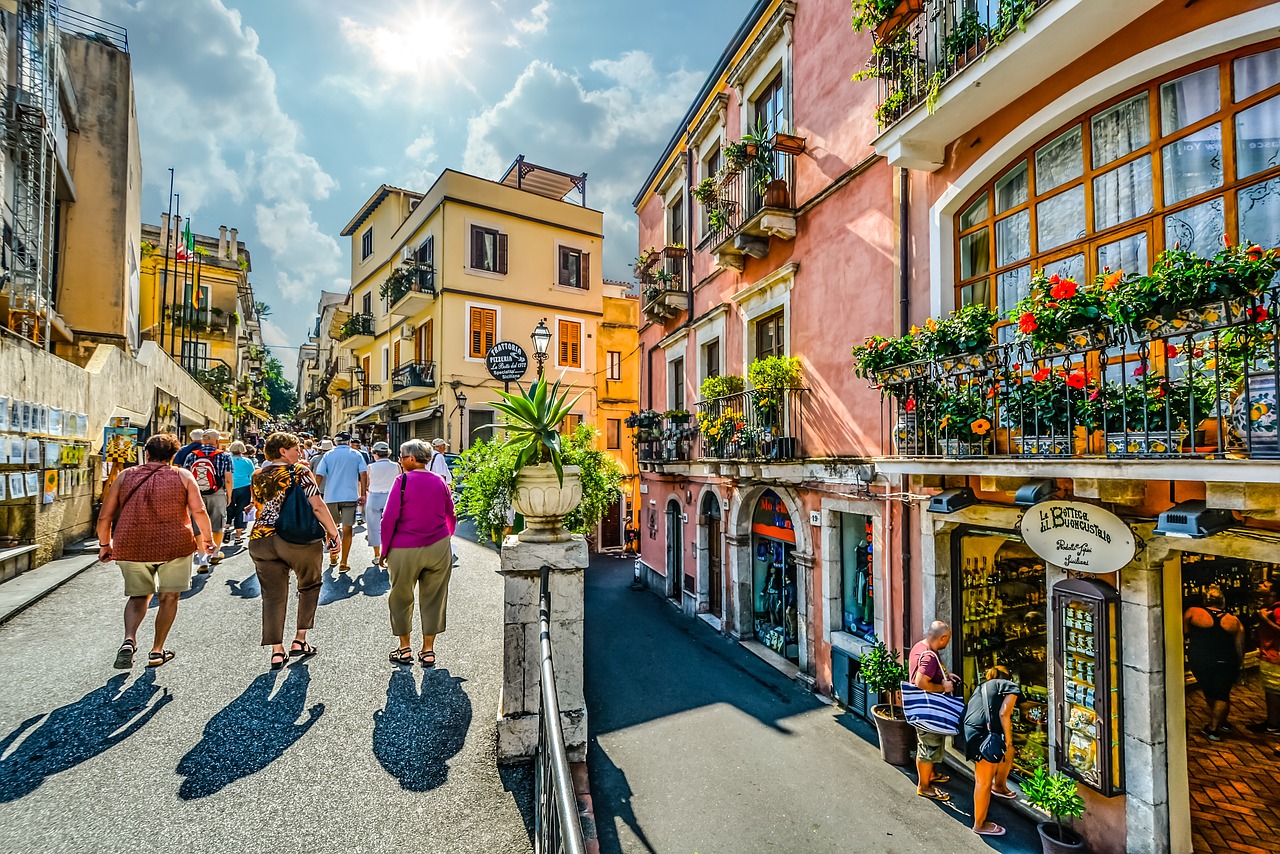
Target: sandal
point(1008, 796)
point(282, 656)
point(159, 659)
point(304, 649)
point(996, 830)
point(939, 779)
point(124, 657)
point(427, 657)
point(404, 655)
point(344, 568)
point(935, 795)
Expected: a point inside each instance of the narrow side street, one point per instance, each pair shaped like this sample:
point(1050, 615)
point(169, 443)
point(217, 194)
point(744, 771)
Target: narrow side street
point(214, 753)
point(697, 745)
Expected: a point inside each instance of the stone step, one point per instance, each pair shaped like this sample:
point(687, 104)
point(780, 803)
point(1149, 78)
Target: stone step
point(30, 587)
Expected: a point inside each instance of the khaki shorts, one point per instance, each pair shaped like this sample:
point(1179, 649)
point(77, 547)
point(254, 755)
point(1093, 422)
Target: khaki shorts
point(343, 513)
point(1269, 675)
point(930, 746)
point(144, 578)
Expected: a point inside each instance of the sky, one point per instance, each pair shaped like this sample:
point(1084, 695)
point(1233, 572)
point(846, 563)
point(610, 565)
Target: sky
point(281, 117)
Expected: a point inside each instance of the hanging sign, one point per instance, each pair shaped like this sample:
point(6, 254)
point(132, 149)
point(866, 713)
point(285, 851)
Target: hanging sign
point(507, 361)
point(1079, 537)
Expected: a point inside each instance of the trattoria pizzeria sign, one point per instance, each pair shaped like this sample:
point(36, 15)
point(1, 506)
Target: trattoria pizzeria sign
point(1079, 537)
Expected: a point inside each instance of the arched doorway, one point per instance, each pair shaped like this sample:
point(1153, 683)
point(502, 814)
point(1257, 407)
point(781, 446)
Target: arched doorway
point(675, 550)
point(774, 591)
point(714, 554)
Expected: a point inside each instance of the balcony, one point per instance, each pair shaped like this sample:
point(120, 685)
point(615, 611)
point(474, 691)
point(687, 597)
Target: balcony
point(413, 292)
point(748, 206)
point(953, 66)
point(357, 331)
point(360, 398)
point(663, 303)
point(412, 381)
point(754, 425)
point(1191, 397)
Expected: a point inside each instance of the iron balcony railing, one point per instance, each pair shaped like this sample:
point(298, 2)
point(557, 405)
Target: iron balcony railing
point(414, 375)
point(357, 324)
point(746, 193)
point(423, 281)
point(761, 424)
point(1200, 385)
point(557, 829)
point(95, 29)
point(916, 60)
point(360, 396)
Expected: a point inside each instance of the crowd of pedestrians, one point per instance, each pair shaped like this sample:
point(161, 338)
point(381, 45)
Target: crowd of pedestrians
point(161, 518)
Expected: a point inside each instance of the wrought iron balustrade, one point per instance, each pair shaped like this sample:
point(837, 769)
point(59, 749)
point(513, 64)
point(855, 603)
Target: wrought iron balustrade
point(761, 424)
point(746, 193)
point(357, 324)
point(414, 375)
point(359, 396)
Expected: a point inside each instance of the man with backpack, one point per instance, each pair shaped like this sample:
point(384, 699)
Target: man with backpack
point(213, 471)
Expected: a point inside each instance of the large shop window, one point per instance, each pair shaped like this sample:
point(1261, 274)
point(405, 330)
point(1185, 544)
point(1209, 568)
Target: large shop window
point(1184, 160)
point(773, 542)
point(1001, 600)
point(856, 575)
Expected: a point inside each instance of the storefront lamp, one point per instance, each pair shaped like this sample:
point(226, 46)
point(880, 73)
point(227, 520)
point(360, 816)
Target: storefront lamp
point(1034, 491)
point(951, 500)
point(1193, 520)
point(541, 336)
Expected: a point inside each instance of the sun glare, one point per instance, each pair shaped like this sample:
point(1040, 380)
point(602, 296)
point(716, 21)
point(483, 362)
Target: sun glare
point(422, 41)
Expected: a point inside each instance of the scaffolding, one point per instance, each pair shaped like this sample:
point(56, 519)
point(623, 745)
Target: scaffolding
point(30, 117)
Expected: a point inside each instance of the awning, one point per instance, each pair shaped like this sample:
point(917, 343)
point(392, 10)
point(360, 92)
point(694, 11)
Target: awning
point(429, 412)
point(368, 414)
point(257, 413)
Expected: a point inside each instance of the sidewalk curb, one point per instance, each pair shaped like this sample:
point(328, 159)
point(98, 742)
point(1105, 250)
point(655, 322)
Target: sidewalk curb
point(29, 588)
point(586, 809)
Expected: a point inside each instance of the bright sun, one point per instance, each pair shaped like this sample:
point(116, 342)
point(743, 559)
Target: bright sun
point(421, 41)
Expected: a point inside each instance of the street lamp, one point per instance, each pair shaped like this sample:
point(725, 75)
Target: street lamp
point(541, 336)
point(462, 419)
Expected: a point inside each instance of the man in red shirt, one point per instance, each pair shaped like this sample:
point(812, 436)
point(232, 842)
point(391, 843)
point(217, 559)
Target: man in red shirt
point(1269, 660)
point(928, 674)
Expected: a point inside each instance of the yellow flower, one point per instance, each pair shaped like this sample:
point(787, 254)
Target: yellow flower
point(930, 325)
point(915, 330)
point(946, 419)
point(981, 426)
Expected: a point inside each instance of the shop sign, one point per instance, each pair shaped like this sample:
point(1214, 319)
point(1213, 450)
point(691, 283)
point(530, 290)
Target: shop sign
point(506, 361)
point(1079, 537)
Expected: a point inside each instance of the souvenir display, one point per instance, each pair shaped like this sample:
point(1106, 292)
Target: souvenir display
point(4, 413)
point(31, 483)
point(17, 485)
point(52, 453)
point(55, 422)
point(50, 485)
point(33, 451)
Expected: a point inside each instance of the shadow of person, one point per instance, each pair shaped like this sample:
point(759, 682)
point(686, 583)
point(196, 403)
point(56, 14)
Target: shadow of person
point(198, 581)
point(246, 588)
point(254, 730)
point(417, 734)
point(375, 581)
point(336, 586)
point(76, 732)
point(611, 798)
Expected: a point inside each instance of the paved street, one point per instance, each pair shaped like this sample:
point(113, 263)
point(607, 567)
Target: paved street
point(215, 753)
point(698, 746)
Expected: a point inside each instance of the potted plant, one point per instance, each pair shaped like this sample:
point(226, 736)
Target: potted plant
point(1049, 411)
point(674, 250)
point(677, 416)
point(737, 156)
point(966, 39)
point(1056, 795)
point(646, 260)
point(889, 361)
point(1060, 317)
point(721, 430)
point(545, 489)
point(882, 670)
point(1154, 414)
point(885, 17)
point(771, 188)
point(964, 419)
point(961, 342)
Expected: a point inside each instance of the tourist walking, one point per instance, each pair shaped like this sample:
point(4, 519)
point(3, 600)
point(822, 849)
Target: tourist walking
point(927, 673)
point(416, 529)
point(212, 469)
point(344, 477)
point(1269, 664)
point(1215, 651)
point(241, 474)
point(274, 553)
point(439, 462)
point(194, 440)
point(990, 712)
point(355, 446)
point(145, 527)
point(382, 476)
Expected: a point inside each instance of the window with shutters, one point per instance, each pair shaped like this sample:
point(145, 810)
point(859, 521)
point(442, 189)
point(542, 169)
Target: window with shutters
point(613, 434)
point(386, 363)
point(397, 354)
point(769, 335)
point(677, 383)
point(570, 348)
point(488, 250)
point(675, 222)
point(423, 344)
point(366, 243)
point(615, 365)
point(483, 331)
point(574, 268)
point(366, 303)
point(711, 358)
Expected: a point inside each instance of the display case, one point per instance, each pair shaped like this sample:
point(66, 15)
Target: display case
point(1086, 682)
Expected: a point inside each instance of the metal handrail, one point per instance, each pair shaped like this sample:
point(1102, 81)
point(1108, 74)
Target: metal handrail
point(556, 825)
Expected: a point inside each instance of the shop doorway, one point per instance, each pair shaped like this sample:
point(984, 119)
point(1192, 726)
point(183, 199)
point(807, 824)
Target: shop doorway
point(1230, 777)
point(714, 555)
point(611, 534)
point(675, 550)
point(773, 546)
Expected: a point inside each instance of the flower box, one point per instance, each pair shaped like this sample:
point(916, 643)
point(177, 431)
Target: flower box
point(903, 14)
point(965, 447)
point(1157, 442)
point(1074, 443)
point(899, 374)
point(969, 363)
point(787, 143)
point(1081, 340)
point(908, 440)
point(1214, 315)
point(674, 251)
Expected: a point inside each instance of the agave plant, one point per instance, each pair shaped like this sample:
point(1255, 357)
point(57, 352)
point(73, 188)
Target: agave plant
point(533, 421)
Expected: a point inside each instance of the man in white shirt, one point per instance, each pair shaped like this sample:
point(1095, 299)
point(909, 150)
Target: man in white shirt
point(440, 465)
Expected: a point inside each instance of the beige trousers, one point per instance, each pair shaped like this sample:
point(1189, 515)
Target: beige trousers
point(428, 569)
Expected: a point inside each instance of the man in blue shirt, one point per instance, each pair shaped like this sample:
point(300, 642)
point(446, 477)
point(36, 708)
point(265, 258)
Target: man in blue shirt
point(213, 471)
point(343, 475)
point(180, 458)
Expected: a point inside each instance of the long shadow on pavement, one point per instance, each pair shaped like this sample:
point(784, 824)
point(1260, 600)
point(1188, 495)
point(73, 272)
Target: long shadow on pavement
point(246, 588)
point(198, 582)
point(417, 733)
point(518, 780)
point(76, 732)
point(606, 776)
point(254, 730)
point(336, 586)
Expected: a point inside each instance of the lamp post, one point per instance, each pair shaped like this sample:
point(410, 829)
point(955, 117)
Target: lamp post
point(462, 420)
point(541, 336)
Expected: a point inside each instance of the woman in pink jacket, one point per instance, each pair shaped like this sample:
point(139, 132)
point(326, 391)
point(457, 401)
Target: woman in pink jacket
point(417, 525)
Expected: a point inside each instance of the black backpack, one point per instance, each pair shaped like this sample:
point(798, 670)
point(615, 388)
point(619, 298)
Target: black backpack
point(297, 522)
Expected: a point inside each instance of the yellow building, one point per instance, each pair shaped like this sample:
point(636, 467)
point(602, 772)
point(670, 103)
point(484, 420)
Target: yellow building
point(438, 278)
point(618, 385)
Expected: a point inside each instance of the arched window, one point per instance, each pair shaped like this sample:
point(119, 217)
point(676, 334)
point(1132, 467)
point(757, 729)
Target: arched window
point(1185, 159)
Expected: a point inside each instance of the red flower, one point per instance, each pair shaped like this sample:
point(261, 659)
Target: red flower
point(910, 405)
point(1226, 239)
point(1254, 252)
point(1198, 352)
point(1170, 350)
point(1041, 375)
point(1065, 289)
point(1027, 323)
point(1258, 314)
point(1077, 379)
point(1140, 370)
point(1054, 279)
point(1017, 366)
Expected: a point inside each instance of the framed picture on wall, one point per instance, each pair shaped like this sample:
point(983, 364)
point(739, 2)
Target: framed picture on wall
point(4, 413)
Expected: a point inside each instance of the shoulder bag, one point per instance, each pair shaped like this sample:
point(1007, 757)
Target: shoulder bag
point(386, 547)
point(297, 522)
point(133, 492)
point(933, 711)
point(992, 747)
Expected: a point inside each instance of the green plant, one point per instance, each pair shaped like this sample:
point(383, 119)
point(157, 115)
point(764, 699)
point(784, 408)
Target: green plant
point(148, 249)
point(881, 668)
point(1055, 794)
point(721, 427)
point(966, 33)
point(533, 421)
point(1180, 279)
point(869, 14)
point(1057, 307)
point(244, 263)
point(651, 293)
point(879, 353)
point(235, 318)
point(401, 280)
point(200, 250)
point(963, 413)
point(762, 162)
point(705, 191)
point(675, 413)
point(775, 372)
point(717, 219)
point(646, 259)
point(720, 386)
point(736, 156)
point(1013, 15)
point(1050, 402)
point(966, 330)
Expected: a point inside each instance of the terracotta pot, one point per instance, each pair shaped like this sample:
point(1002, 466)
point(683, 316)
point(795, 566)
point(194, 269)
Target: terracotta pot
point(777, 195)
point(1051, 844)
point(903, 14)
point(897, 737)
point(787, 143)
point(543, 501)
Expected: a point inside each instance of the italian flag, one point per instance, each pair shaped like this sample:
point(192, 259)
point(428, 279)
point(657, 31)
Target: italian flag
point(187, 247)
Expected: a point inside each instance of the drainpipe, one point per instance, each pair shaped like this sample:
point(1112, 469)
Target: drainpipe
point(904, 325)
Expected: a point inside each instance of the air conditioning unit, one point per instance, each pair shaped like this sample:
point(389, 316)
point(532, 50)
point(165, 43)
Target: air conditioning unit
point(406, 332)
point(406, 255)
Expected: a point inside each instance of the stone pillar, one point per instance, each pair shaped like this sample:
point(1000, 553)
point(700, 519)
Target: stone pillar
point(164, 233)
point(222, 242)
point(519, 702)
point(233, 244)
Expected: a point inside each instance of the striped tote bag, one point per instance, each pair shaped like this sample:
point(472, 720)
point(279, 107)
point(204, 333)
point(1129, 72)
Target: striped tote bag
point(932, 712)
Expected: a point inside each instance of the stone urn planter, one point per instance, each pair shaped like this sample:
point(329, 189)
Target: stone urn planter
point(543, 501)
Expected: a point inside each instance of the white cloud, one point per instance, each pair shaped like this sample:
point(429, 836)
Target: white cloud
point(409, 54)
point(421, 155)
point(535, 23)
point(274, 336)
point(613, 131)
